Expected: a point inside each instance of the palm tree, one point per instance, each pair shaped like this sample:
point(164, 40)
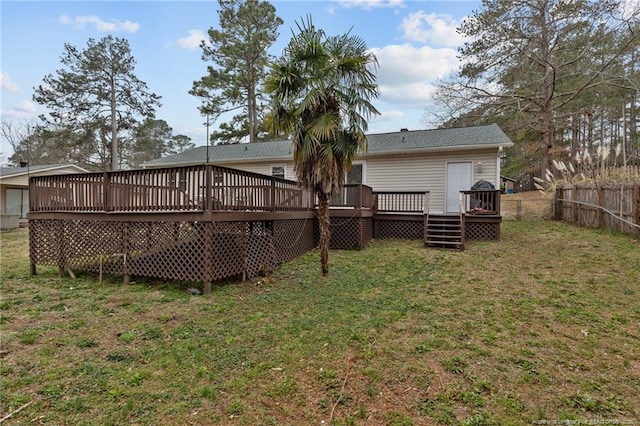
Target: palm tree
point(321, 90)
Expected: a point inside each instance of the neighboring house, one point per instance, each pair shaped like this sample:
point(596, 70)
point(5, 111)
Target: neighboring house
point(441, 161)
point(14, 187)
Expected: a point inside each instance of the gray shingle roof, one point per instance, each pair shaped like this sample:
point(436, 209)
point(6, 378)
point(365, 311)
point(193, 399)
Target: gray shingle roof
point(14, 171)
point(378, 144)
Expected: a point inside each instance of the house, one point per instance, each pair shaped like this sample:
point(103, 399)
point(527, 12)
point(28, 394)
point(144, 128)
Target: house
point(14, 189)
point(441, 161)
point(210, 214)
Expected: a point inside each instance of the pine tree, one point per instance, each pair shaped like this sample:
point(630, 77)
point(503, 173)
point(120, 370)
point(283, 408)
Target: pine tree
point(239, 58)
point(97, 86)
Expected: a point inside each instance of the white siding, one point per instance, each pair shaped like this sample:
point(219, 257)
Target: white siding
point(425, 172)
point(264, 167)
point(415, 172)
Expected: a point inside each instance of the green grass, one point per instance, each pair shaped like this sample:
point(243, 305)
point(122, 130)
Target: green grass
point(543, 325)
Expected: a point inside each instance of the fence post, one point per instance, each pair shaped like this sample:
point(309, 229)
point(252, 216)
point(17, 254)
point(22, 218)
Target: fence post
point(636, 204)
point(557, 204)
point(600, 212)
point(518, 210)
point(574, 206)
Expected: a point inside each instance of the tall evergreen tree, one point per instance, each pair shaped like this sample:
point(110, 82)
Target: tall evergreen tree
point(97, 84)
point(49, 144)
point(530, 62)
point(180, 143)
point(151, 139)
point(238, 53)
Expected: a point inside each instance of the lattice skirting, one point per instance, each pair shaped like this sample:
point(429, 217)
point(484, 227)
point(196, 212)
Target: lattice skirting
point(180, 250)
point(476, 231)
point(348, 233)
point(406, 229)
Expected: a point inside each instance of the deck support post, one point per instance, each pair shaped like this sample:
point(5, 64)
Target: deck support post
point(126, 274)
point(207, 239)
point(32, 245)
point(60, 240)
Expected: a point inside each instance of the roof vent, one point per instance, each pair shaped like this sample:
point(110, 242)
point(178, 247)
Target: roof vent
point(404, 129)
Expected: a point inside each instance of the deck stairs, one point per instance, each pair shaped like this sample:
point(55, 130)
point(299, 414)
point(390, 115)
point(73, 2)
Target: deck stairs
point(444, 231)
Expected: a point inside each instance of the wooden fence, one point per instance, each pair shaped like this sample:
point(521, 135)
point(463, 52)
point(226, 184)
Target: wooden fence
point(611, 206)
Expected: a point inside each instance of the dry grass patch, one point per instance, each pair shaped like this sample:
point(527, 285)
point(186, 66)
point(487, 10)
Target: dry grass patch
point(543, 325)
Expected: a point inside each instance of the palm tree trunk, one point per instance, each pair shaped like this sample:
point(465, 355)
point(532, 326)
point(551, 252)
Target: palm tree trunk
point(325, 231)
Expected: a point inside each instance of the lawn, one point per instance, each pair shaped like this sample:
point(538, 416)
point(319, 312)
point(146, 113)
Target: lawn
point(539, 327)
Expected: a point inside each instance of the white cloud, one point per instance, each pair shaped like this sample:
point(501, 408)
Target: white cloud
point(6, 84)
point(370, 4)
point(406, 63)
point(386, 116)
point(23, 110)
point(433, 28)
point(25, 106)
point(101, 25)
point(198, 134)
point(193, 40)
point(407, 73)
point(410, 95)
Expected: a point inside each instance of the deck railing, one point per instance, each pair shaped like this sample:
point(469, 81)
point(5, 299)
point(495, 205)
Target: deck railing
point(190, 188)
point(355, 195)
point(401, 202)
point(214, 188)
point(481, 202)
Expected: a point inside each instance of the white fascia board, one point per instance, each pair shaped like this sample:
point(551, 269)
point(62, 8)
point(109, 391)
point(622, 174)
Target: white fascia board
point(430, 150)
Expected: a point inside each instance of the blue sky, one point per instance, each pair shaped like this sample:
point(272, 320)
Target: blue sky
point(415, 43)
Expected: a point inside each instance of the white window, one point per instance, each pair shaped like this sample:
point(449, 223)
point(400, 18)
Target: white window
point(278, 171)
point(17, 201)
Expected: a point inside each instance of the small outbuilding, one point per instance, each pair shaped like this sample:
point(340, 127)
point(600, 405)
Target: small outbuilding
point(507, 184)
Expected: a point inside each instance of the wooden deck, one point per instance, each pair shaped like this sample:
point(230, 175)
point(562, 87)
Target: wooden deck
point(208, 223)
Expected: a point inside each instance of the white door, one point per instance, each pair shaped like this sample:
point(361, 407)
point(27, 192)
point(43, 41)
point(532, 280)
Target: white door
point(458, 177)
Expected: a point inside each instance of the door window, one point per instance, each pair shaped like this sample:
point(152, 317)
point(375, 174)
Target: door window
point(355, 175)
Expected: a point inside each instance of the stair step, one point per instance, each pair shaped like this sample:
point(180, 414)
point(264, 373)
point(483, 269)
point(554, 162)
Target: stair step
point(444, 242)
point(448, 235)
point(445, 231)
point(449, 245)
